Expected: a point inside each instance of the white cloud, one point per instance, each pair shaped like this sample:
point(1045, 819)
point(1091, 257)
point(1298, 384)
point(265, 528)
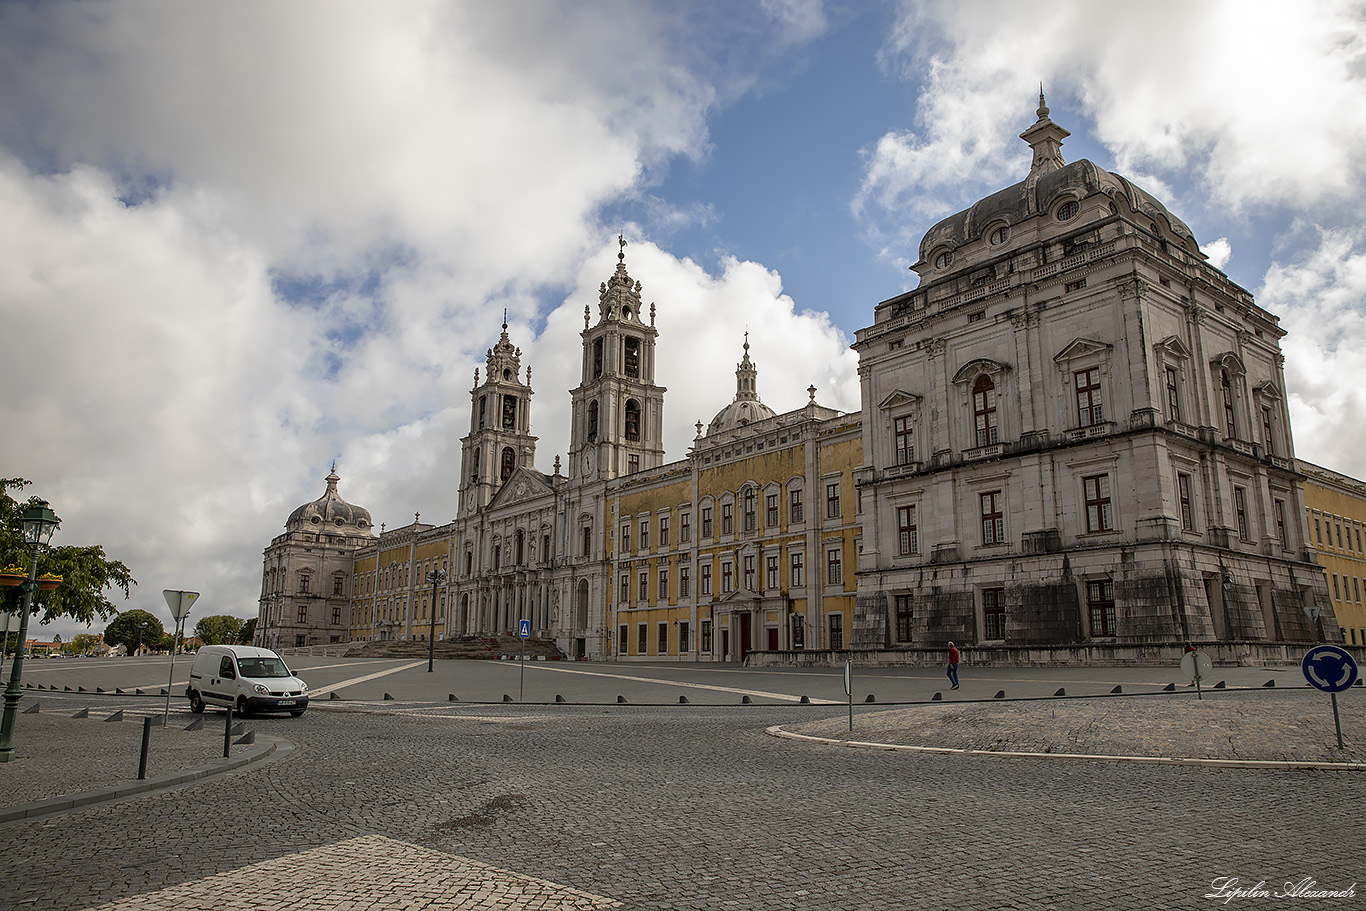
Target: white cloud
point(1219, 252)
point(1173, 88)
point(1321, 299)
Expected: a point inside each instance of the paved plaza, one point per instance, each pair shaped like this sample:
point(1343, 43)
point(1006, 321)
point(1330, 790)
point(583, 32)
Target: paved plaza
point(418, 801)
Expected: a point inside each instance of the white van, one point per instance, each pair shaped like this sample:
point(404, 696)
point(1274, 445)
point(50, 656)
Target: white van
point(248, 678)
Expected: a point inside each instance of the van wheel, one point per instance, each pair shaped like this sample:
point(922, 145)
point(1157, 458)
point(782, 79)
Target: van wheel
point(242, 706)
point(196, 702)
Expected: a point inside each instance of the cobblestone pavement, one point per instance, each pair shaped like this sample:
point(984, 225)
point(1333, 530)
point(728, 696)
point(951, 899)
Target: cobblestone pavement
point(1278, 726)
point(690, 807)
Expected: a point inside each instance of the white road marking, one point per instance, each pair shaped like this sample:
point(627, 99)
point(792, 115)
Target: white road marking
point(785, 697)
point(368, 677)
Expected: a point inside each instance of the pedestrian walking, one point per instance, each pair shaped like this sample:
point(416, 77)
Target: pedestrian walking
point(953, 665)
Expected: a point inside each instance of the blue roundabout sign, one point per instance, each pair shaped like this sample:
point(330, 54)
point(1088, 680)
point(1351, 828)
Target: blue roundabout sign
point(1329, 668)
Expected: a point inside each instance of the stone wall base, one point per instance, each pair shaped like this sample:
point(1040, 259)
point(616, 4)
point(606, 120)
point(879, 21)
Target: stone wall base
point(1241, 654)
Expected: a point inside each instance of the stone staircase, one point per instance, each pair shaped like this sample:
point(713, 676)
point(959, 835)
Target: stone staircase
point(468, 647)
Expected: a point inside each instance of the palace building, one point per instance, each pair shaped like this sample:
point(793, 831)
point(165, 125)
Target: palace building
point(1073, 432)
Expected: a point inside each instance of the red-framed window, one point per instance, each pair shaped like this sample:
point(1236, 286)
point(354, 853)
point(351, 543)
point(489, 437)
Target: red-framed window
point(984, 411)
point(727, 518)
point(1240, 512)
point(794, 505)
point(1100, 604)
point(993, 518)
point(796, 571)
point(1096, 491)
point(751, 509)
point(908, 536)
point(1183, 493)
point(771, 509)
point(1226, 393)
point(904, 437)
point(832, 500)
point(1089, 409)
point(994, 613)
point(1173, 396)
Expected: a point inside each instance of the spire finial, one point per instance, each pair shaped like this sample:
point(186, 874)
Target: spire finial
point(505, 319)
point(1043, 107)
point(621, 239)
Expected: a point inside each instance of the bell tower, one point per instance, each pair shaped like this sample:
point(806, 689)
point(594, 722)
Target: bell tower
point(618, 411)
point(500, 440)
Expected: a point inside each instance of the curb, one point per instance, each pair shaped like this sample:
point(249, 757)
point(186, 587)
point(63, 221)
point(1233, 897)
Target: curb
point(1285, 765)
point(268, 749)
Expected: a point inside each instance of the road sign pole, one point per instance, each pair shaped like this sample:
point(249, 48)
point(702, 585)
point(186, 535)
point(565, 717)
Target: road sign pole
point(1337, 720)
point(849, 688)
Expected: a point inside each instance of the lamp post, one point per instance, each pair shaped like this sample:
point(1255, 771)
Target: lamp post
point(142, 627)
point(39, 523)
point(436, 577)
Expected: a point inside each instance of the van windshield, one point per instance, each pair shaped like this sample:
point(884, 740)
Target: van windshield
point(262, 667)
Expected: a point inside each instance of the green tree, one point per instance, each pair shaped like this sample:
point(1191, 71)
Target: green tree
point(248, 632)
point(83, 642)
point(124, 629)
point(217, 629)
point(87, 574)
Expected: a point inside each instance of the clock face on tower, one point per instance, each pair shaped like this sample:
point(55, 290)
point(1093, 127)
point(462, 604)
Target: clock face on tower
point(586, 463)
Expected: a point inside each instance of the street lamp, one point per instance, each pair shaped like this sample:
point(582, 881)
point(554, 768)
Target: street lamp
point(39, 523)
point(436, 577)
point(141, 628)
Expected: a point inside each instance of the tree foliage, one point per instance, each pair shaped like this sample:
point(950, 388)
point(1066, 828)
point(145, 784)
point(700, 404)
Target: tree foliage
point(248, 632)
point(88, 576)
point(218, 629)
point(82, 643)
point(124, 629)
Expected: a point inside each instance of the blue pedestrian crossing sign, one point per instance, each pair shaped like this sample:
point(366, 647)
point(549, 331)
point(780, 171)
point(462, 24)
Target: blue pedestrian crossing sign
point(524, 629)
point(1329, 668)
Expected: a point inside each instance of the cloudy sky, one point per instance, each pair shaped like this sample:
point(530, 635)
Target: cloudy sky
point(241, 240)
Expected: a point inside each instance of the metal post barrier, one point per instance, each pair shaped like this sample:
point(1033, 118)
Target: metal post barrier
point(227, 734)
point(146, 742)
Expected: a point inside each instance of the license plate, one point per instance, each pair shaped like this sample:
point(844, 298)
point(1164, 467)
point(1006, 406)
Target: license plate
point(285, 702)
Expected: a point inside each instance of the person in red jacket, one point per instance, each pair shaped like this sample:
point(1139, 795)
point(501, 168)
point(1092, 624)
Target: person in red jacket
point(953, 664)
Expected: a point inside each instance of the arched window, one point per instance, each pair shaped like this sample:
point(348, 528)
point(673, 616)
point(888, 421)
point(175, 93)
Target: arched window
point(592, 421)
point(521, 547)
point(632, 420)
point(509, 462)
point(984, 410)
point(474, 466)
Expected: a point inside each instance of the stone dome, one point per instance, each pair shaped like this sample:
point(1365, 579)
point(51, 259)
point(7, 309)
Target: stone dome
point(1050, 181)
point(330, 511)
point(746, 409)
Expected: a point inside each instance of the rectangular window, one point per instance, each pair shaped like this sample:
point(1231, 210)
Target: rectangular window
point(303, 613)
point(625, 537)
point(832, 500)
point(727, 577)
point(1359, 539)
point(644, 534)
point(684, 581)
point(994, 612)
point(1336, 596)
point(908, 536)
point(993, 518)
point(1183, 493)
point(984, 411)
point(1240, 511)
point(704, 578)
point(303, 584)
point(794, 505)
point(751, 509)
point(706, 522)
point(749, 571)
point(683, 637)
point(727, 518)
point(587, 547)
point(1356, 589)
point(1318, 529)
point(623, 639)
point(300, 640)
point(1278, 509)
point(336, 615)
point(1338, 526)
point(663, 585)
point(834, 574)
point(904, 439)
point(1096, 490)
point(643, 586)
point(338, 585)
point(1089, 410)
point(663, 531)
point(796, 571)
point(684, 527)
point(1074, 286)
point(625, 588)
point(705, 645)
point(771, 567)
point(1100, 602)
point(1173, 399)
point(1266, 431)
point(771, 510)
point(836, 639)
point(905, 619)
point(664, 638)
point(642, 640)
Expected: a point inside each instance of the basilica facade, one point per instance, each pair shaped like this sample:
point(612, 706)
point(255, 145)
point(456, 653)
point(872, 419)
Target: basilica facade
point(1073, 431)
